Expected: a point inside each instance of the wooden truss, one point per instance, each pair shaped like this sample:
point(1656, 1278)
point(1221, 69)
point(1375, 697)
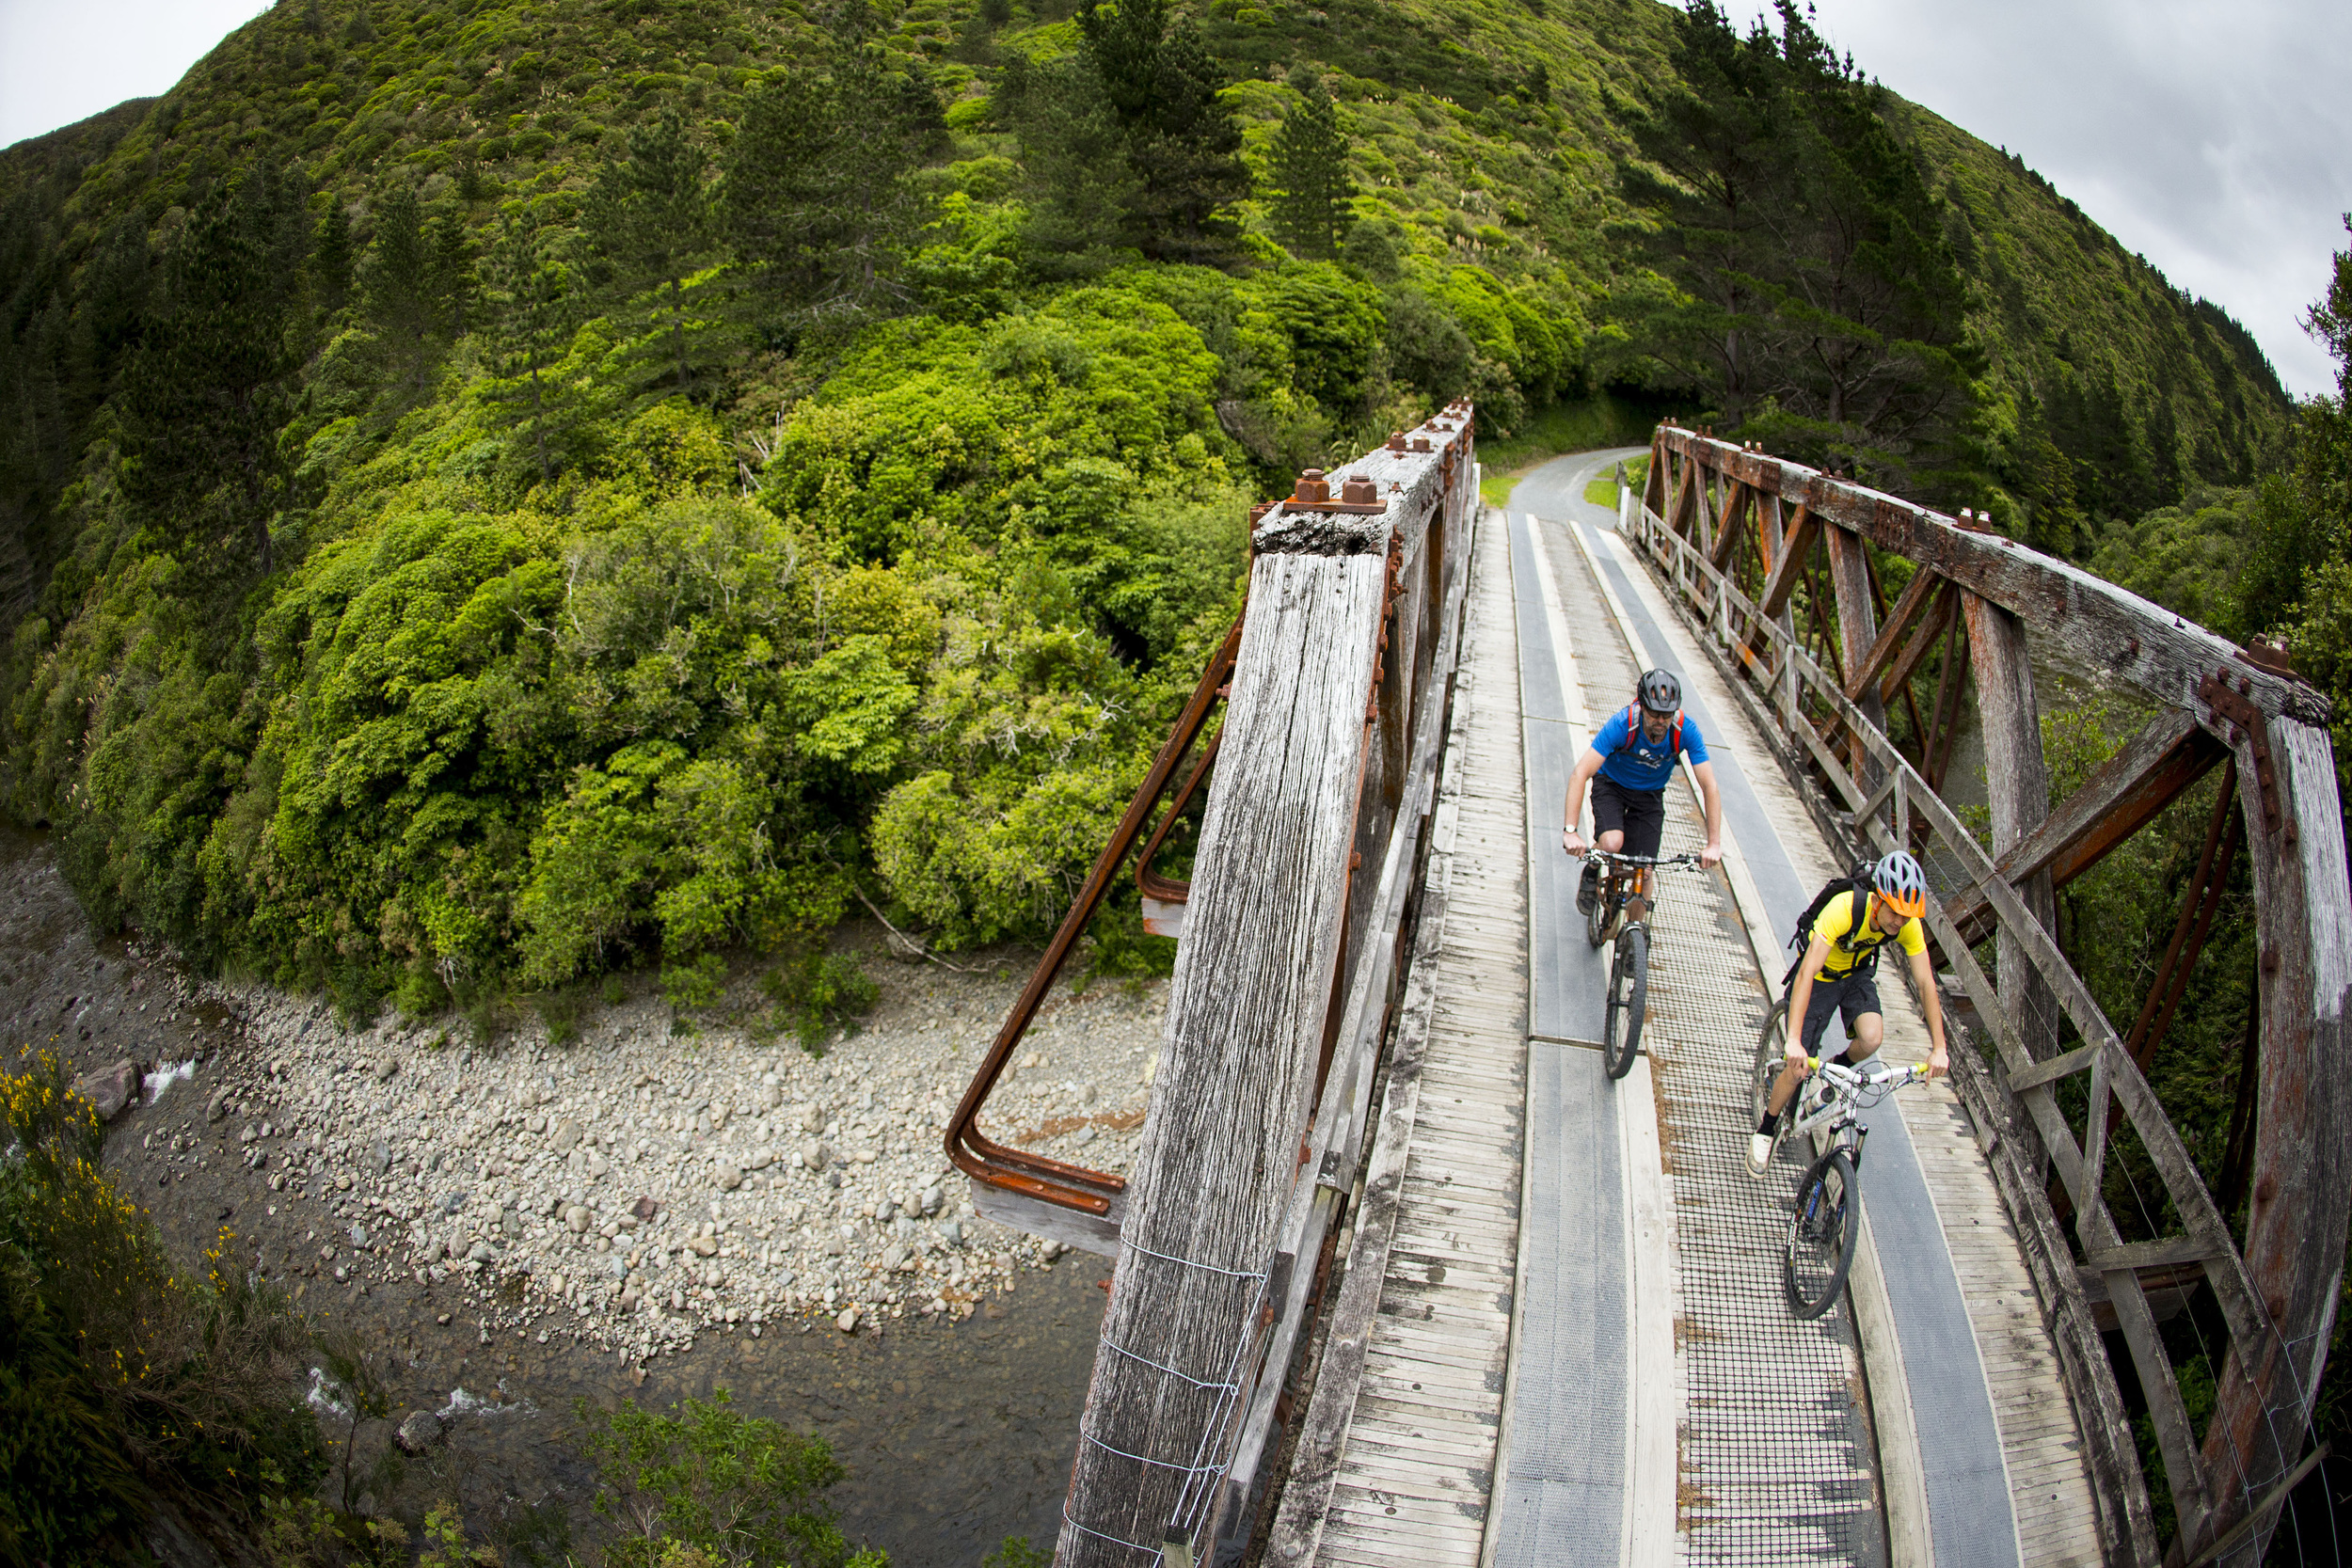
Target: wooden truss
point(1745, 541)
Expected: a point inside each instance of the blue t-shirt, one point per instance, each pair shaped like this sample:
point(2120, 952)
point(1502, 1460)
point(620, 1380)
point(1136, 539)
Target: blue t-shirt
point(1642, 765)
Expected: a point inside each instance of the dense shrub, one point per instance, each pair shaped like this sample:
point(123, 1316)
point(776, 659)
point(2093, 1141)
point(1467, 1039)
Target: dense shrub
point(123, 1379)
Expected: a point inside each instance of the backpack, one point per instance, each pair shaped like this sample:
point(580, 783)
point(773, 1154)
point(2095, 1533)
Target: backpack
point(1633, 727)
point(1860, 881)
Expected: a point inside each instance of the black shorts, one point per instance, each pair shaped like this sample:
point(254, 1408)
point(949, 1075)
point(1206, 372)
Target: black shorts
point(1848, 996)
point(1638, 813)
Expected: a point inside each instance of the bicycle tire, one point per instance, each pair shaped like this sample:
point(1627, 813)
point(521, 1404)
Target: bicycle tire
point(1772, 1054)
point(1821, 1234)
point(1596, 918)
point(1628, 999)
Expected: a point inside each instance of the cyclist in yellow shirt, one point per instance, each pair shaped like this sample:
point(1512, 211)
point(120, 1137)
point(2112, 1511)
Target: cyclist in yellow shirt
point(1839, 974)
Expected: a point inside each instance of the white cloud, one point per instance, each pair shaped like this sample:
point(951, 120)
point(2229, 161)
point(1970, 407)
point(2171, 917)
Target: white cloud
point(64, 62)
point(2207, 137)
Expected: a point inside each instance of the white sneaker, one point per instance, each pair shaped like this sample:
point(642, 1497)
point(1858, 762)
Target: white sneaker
point(1760, 1154)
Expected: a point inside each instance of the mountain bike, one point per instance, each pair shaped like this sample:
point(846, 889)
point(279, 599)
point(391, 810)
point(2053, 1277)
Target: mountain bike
point(1825, 1219)
point(1621, 909)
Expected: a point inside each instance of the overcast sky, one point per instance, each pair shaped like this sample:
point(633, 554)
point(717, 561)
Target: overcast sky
point(2214, 136)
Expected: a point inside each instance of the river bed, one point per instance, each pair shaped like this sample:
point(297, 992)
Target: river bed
point(956, 1424)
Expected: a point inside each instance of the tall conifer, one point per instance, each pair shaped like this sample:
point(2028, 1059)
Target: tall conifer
point(1308, 186)
point(651, 223)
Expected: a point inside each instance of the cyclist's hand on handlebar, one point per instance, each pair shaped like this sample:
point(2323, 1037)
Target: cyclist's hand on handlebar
point(1710, 857)
point(1572, 841)
point(1939, 1063)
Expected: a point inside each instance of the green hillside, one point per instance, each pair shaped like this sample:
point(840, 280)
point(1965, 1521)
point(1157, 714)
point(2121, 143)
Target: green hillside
point(500, 491)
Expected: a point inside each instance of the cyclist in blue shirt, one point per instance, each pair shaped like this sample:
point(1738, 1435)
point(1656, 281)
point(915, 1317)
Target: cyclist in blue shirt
point(1635, 753)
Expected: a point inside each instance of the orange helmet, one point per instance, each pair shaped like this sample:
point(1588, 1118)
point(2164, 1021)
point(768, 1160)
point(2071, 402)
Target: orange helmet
point(1901, 884)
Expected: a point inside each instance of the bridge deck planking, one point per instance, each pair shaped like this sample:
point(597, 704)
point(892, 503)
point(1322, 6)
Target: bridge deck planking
point(1775, 1461)
point(2040, 1445)
point(1461, 1174)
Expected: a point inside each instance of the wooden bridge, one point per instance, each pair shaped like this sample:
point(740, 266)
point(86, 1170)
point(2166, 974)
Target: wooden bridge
point(1402, 1278)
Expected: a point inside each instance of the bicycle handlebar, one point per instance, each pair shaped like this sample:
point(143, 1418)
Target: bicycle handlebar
point(1641, 859)
point(1862, 1078)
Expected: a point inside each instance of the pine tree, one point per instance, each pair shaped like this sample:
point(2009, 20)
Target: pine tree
point(331, 257)
point(1308, 186)
point(1181, 144)
point(818, 198)
point(396, 281)
point(449, 278)
point(651, 223)
point(530, 311)
point(204, 396)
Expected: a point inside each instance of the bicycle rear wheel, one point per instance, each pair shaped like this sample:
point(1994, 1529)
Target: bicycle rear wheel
point(1629, 998)
point(1821, 1234)
point(1772, 1054)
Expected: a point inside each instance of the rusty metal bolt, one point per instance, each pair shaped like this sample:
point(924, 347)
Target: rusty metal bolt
point(1313, 490)
point(1355, 490)
point(1396, 441)
point(1421, 443)
point(1396, 486)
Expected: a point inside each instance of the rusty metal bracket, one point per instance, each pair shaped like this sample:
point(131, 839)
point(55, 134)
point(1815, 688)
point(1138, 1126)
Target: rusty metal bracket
point(1358, 493)
point(2235, 706)
point(1039, 1176)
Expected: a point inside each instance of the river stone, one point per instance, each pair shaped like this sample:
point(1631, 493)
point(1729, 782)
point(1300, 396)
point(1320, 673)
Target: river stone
point(380, 1155)
point(482, 1252)
point(865, 1156)
point(576, 1219)
point(218, 1106)
point(597, 1164)
point(110, 1089)
point(420, 1431)
point(814, 1155)
point(893, 1257)
point(359, 1236)
point(247, 1134)
point(770, 1096)
point(762, 1158)
point(703, 1246)
point(567, 1133)
point(932, 1198)
point(535, 1122)
point(385, 1068)
point(645, 1208)
point(847, 1323)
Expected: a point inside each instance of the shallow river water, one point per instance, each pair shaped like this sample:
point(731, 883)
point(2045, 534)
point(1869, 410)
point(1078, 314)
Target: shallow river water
point(953, 1435)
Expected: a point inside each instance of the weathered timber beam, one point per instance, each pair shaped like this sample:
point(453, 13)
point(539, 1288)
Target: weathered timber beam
point(2065, 1066)
point(1857, 631)
point(2302, 1176)
point(2107, 628)
point(1245, 1021)
point(1795, 551)
point(2148, 1254)
point(2018, 792)
point(2122, 795)
point(1727, 528)
point(1916, 652)
point(1918, 595)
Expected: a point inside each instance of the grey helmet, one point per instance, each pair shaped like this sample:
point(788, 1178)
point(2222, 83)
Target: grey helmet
point(1660, 691)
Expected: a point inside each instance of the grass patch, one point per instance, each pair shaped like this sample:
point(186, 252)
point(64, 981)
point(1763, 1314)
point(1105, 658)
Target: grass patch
point(1585, 424)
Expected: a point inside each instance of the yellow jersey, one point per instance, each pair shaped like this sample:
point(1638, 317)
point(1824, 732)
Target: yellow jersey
point(1848, 946)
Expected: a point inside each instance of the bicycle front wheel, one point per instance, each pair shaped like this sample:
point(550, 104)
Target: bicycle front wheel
point(1629, 998)
point(1596, 918)
point(1772, 1054)
point(1821, 1234)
